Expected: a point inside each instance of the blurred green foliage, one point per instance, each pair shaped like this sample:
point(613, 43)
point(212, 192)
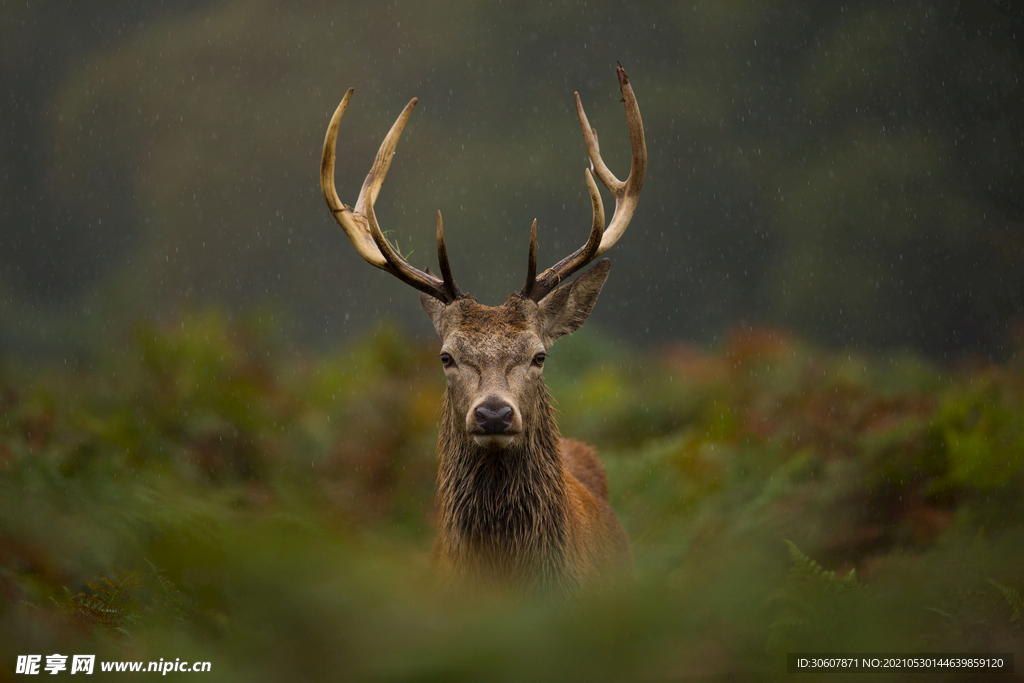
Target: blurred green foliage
point(201, 492)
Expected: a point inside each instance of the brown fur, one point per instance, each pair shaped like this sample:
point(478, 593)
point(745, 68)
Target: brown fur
point(530, 513)
point(582, 463)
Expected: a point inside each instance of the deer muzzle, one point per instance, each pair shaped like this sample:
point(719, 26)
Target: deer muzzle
point(493, 422)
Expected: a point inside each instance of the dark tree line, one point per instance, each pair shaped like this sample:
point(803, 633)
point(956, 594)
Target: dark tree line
point(851, 171)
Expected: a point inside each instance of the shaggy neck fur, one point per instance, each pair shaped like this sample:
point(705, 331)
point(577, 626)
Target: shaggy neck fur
point(503, 512)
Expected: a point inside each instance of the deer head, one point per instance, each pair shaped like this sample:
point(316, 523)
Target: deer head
point(493, 357)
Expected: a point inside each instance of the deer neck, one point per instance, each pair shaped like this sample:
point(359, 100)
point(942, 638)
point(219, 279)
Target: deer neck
point(503, 512)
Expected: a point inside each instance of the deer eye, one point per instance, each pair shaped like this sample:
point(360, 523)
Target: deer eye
point(538, 360)
point(446, 359)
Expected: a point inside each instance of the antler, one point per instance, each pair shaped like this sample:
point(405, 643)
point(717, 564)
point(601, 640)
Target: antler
point(360, 223)
point(627, 194)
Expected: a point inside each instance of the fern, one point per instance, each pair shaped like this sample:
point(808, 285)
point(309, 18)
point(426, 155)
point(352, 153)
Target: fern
point(804, 568)
point(810, 599)
point(110, 604)
point(168, 602)
point(1012, 597)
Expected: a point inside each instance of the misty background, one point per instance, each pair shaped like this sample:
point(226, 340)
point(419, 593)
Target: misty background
point(850, 171)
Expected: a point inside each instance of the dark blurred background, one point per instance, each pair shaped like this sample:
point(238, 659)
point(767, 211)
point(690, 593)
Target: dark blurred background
point(848, 170)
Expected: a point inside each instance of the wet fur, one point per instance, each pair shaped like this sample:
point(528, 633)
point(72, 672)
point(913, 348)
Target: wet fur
point(534, 516)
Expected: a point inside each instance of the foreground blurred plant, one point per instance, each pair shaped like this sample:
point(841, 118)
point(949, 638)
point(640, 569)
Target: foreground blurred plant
point(277, 507)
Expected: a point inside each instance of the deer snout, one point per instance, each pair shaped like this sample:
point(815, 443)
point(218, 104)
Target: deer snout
point(493, 416)
point(494, 422)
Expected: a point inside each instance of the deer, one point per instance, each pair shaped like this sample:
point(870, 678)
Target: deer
point(518, 507)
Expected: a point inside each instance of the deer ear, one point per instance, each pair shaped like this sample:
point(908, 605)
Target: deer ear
point(435, 311)
point(566, 309)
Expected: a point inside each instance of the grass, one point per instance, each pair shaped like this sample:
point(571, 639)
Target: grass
point(197, 492)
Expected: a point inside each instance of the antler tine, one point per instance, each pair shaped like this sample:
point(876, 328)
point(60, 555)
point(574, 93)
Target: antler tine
point(555, 275)
point(361, 225)
point(627, 193)
point(531, 265)
point(381, 164)
point(442, 260)
point(357, 234)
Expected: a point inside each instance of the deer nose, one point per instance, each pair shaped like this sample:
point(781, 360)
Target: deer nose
point(493, 416)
